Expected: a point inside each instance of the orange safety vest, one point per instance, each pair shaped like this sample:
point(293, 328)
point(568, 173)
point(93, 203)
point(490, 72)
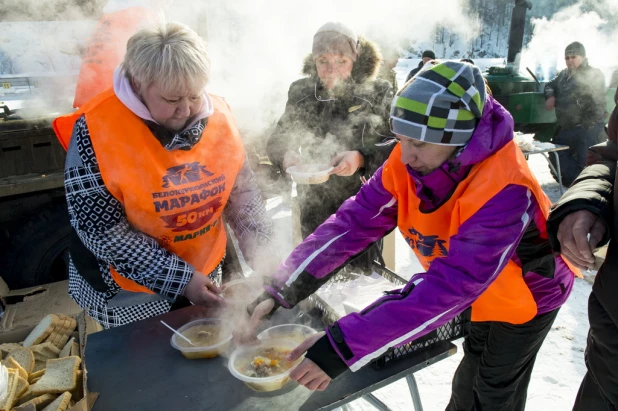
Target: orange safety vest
point(175, 197)
point(508, 298)
point(106, 50)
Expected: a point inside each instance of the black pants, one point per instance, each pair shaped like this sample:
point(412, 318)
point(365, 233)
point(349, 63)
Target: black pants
point(590, 397)
point(498, 359)
point(573, 160)
point(599, 389)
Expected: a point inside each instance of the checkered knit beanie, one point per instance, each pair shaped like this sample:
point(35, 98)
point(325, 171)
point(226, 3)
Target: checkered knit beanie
point(441, 105)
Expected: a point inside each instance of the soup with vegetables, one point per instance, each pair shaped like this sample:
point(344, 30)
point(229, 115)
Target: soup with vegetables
point(265, 362)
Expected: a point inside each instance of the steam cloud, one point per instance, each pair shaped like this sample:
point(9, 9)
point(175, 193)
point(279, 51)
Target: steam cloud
point(550, 37)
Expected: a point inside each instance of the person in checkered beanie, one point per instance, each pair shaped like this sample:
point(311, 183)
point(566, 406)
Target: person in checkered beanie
point(460, 191)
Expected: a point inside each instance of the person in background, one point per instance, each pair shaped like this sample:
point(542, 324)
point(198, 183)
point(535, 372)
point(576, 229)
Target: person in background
point(460, 191)
point(428, 55)
point(155, 168)
point(337, 115)
point(467, 61)
point(586, 217)
point(578, 95)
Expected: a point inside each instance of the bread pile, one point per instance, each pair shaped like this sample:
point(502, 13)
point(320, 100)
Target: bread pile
point(44, 370)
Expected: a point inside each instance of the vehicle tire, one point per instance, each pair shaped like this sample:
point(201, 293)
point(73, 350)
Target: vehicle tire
point(37, 252)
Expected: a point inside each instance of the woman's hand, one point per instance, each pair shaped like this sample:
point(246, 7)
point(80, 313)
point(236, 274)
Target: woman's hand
point(550, 103)
point(202, 291)
point(308, 373)
point(291, 158)
point(346, 163)
point(245, 330)
point(573, 236)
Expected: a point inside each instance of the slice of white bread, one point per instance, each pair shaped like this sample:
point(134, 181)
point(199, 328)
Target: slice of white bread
point(39, 365)
point(60, 404)
point(66, 350)
point(41, 401)
point(42, 330)
point(62, 331)
point(60, 376)
point(36, 374)
point(11, 364)
point(26, 396)
point(8, 347)
point(11, 392)
point(22, 386)
point(24, 357)
point(69, 322)
point(78, 392)
point(59, 339)
point(25, 407)
point(45, 350)
point(75, 349)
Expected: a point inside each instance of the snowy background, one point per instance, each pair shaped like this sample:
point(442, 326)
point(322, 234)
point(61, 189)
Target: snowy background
point(256, 53)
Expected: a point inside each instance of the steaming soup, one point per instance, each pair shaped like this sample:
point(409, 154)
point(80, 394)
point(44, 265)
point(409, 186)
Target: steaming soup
point(202, 335)
point(266, 362)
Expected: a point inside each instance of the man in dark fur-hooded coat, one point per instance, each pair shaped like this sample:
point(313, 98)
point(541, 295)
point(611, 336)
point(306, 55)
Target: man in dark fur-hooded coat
point(338, 125)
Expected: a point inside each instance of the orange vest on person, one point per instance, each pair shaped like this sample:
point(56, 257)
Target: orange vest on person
point(508, 298)
point(106, 50)
point(176, 197)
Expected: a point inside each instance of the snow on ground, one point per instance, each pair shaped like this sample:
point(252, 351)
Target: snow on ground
point(559, 366)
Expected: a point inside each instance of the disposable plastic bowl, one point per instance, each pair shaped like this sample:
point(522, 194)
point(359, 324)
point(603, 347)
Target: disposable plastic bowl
point(242, 292)
point(309, 173)
point(210, 351)
point(261, 384)
point(295, 332)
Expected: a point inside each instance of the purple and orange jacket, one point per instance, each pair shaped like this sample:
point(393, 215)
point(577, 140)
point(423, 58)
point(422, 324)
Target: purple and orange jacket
point(504, 232)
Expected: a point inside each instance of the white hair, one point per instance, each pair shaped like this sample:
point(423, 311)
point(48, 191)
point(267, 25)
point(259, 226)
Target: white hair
point(169, 54)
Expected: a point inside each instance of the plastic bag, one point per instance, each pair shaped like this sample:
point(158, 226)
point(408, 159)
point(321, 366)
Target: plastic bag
point(524, 141)
point(352, 296)
point(4, 383)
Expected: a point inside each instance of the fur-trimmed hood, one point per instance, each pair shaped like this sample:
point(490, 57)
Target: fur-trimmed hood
point(365, 68)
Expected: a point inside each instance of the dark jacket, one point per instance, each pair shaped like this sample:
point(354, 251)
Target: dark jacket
point(580, 96)
point(321, 125)
point(595, 190)
point(414, 71)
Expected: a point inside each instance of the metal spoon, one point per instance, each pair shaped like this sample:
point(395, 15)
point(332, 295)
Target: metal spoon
point(178, 334)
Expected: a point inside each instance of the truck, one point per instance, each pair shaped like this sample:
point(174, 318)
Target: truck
point(34, 222)
point(35, 225)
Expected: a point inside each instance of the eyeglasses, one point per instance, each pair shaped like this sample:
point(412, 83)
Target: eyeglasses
point(570, 57)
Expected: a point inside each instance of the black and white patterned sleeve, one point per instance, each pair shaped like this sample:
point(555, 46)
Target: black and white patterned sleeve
point(101, 224)
point(245, 212)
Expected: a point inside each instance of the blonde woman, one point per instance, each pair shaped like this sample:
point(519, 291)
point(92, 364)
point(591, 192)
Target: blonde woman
point(155, 166)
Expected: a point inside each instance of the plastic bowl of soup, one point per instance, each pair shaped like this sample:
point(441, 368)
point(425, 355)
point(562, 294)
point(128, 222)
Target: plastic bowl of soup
point(296, 332)
point(309, 173)
point(263, 367)
point(209, 335)
point(242, 292)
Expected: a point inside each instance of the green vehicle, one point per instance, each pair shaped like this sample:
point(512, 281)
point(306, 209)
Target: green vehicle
point(519, 91)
